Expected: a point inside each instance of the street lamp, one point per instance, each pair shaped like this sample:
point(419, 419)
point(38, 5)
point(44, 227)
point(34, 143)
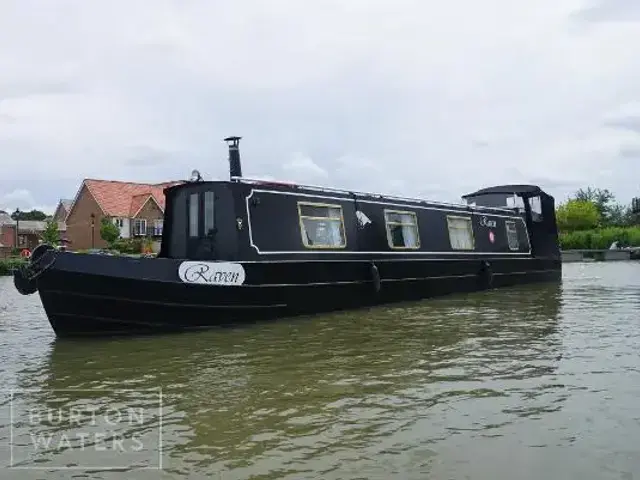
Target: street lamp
point(17, 215)
point(93, 229)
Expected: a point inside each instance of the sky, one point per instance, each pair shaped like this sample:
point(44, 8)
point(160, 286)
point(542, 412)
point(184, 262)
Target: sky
point(406, 97)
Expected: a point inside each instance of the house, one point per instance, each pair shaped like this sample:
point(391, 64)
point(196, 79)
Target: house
point(137, 209)
point(29, 232)
point(62, 210)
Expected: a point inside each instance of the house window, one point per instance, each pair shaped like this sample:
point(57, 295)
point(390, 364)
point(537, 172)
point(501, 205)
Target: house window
point(139, 227)
point(118, 222)
point(460, 233)
point(157, 227)
point(321, 225)
point(512, 235)
point(402, 229)
point(193, 215)
point(209, 213)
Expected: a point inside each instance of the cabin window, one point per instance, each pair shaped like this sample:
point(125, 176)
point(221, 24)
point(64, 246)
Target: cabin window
point(536, 209)
point(193, 215)
point(321, 225)
point(402, 229)
point(209, 213)
point(515, 201)
point(512, 235)
point(460, 233)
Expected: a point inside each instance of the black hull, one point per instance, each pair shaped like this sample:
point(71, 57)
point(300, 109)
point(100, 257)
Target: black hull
point(101, 295)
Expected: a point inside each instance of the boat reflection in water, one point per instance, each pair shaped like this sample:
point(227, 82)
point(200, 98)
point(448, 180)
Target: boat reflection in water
point(313, 392)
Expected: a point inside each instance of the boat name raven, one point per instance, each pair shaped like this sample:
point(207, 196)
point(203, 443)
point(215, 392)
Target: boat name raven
point(212, 273)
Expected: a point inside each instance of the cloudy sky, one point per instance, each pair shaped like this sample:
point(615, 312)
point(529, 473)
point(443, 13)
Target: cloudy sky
point(412, 97)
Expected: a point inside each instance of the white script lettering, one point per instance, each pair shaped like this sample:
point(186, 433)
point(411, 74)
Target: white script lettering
point(485, 222)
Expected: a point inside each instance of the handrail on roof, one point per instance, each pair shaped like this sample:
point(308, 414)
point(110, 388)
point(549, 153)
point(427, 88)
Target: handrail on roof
point(367, 194)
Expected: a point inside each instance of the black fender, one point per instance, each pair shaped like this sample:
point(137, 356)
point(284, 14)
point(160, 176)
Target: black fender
point(486, 274)
point(375, 277)
point(23, 284)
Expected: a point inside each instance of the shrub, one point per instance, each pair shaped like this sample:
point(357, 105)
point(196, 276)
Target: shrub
point(128, 245)
point(8, 264)
point(600, 239)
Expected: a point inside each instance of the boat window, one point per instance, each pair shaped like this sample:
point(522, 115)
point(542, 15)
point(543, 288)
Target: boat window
point(512, 235)
point(515, 201)
point(536, 209)
point(321, 225)
point(209, 212)
point(402, 229)
point(460, 233)
point(193, 215)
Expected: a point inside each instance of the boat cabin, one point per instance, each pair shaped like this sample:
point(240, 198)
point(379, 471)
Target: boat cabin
point(249, 220)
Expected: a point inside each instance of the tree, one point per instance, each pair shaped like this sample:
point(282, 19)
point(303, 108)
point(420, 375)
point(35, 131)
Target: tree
point(605, 201)
point(577, 215)
point(51, 234)
point(109, 231)
point(32, 215)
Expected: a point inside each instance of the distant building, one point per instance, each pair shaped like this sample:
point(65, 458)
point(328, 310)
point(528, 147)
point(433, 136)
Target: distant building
point(62, 210)
point(29, 232)
point(137, 209)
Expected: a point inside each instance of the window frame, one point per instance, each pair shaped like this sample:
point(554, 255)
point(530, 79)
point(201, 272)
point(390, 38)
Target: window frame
point(158, 227)
point(469, 221)
point(387, 223)
point(302, 229)
point(140, 221)
point(515, 230)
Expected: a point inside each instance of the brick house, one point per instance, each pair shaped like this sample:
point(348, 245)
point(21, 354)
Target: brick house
point(29, 232)
point(137, 209)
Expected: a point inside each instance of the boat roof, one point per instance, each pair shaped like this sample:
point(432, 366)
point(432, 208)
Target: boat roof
point(522, 190)
point(277, 184)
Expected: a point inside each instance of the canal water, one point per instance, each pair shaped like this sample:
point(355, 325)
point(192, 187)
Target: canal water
point(536, 382)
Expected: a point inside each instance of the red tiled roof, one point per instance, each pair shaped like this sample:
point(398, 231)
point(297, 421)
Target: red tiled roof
point(117, 198)
point(137, 203)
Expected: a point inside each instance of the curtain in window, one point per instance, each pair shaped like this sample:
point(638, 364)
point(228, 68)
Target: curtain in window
point(410, 234)
point(460, 234)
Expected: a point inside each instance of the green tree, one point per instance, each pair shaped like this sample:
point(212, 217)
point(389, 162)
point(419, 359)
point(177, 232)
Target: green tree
point(32, 215)
point(109, 231)
point(611, 213)
point(51, 234)
point(577, 215)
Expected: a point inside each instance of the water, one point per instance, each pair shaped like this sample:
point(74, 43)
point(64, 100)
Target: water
point(527, 383)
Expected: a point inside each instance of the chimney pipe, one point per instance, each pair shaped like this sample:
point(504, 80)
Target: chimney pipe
point(235, 168)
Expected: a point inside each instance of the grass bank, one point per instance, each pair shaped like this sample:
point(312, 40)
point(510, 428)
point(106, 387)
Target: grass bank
point(600, 239)
point(8, 264)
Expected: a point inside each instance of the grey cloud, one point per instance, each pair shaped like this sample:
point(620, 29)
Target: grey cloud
point(146, 156)
point(629, 123)
point(11, 90)
point(630, 152)
point(610, 11)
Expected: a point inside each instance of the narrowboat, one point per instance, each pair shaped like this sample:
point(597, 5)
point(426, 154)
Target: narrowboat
point(243, 250)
